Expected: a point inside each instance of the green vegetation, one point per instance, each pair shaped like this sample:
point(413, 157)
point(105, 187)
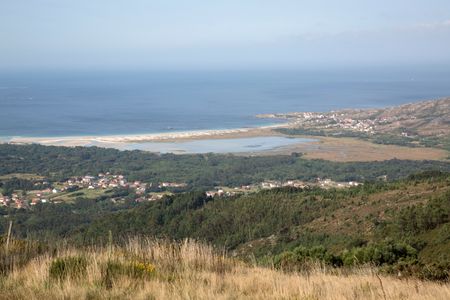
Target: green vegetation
point(50, 221)
point(73, 267)
point(343, 227)
point(114, 270)
point(401, 225)
point(8, 186)
point(379, 254)
point(199, 171)
point(394, 138)
point(83, 194)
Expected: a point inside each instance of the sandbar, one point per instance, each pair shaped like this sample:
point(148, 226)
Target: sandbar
point(319, 147)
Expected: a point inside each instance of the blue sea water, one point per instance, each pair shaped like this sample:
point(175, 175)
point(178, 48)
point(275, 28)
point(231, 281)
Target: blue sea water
point(106, 103)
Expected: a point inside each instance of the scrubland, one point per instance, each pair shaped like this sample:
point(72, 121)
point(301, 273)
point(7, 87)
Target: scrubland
point(157, 269)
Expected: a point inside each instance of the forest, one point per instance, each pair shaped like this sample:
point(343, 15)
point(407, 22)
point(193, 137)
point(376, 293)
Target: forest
point(198, 171)
point(401, 225)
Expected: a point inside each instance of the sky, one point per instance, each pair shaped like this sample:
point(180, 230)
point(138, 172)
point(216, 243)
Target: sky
point(222, 34)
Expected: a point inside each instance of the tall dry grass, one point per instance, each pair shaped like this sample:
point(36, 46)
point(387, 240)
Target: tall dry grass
point(190, 270)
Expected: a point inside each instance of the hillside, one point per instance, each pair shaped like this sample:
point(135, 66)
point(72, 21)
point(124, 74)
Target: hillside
point(152, 269)
point(425, 123)
point(414, 212)
point(272, 212)
point(411, 214)
point(199, 171)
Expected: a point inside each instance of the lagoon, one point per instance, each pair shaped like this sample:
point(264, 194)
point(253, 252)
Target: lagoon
point(237, 145)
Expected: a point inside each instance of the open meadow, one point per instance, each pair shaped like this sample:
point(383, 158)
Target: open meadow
point(155, 269)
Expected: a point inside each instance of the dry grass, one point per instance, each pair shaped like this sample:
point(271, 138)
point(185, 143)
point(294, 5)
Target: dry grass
point(194, 271)
point(352, 149)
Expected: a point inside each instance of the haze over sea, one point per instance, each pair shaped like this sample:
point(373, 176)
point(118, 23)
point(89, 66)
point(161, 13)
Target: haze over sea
point(106, 103)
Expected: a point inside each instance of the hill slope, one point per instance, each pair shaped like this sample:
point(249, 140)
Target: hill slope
point(425, 123)
point(160, 270)
point(375, 217)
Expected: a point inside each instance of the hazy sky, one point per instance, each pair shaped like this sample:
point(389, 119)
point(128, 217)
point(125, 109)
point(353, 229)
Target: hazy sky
point(221, 34)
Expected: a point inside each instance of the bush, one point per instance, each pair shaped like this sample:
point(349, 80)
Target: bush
point(380, 254)
point(301, 258)
point(72, 267)
point(436, 271)
point(136, 269)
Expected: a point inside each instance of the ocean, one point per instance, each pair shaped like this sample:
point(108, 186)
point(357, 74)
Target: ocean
point(45, 104)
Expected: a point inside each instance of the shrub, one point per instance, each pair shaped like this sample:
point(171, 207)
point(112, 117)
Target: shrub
point(72, 267)
point(301, 258)
point(436, 271)
point(380, 254)
point(136, 269)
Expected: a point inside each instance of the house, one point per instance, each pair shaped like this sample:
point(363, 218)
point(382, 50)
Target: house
point(172, 184)
point(211, 194)
point(35, 201)
point(270, 184)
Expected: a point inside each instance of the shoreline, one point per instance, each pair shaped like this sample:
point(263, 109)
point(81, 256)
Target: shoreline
point(327, 148)
point(166, 137)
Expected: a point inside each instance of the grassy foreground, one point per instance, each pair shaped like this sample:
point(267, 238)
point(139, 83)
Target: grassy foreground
point(151, 269)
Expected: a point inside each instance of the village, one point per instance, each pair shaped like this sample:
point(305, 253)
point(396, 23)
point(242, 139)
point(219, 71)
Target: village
point(409, 120)
point(104, 185)
point(329, 121)
point(274, 184)
point(89, 187)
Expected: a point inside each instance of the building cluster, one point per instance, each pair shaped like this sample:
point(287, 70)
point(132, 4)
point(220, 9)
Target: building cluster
point(109, 181)
point(102, 181)
point(219, 192)
point(340, 122)
point(151, 197)
point(273, 184)
point(334, 121)
point(328, 183)
point(172, 185)
point(16, 201)
point(105, 181)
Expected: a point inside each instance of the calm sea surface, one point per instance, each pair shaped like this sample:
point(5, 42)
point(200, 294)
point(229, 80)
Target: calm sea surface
point(103, 103)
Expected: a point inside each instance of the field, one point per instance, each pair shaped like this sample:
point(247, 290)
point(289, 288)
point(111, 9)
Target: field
point(152, 269)
point(354, 150)
point(84, 193)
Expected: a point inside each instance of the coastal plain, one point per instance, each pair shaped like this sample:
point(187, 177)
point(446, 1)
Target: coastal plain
point(328, 148)
point(351, 149)
point(403, 132)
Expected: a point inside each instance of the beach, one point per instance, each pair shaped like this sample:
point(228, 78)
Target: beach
point(188, 142)
point(174, 137)
point(191, 112)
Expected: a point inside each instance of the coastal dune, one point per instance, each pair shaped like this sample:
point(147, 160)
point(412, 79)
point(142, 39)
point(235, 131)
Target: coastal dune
point(153, 137)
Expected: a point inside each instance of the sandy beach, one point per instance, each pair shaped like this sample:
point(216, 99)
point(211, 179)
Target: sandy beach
point(313, 147)
point(153, 137)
